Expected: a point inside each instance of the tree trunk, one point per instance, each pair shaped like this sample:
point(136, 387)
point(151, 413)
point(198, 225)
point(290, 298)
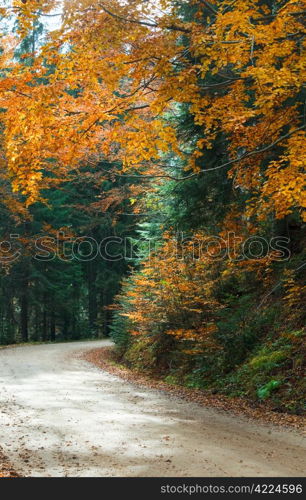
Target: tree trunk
point(52, 325)
point(24, 311)
point(92, 298)
point(44, 319)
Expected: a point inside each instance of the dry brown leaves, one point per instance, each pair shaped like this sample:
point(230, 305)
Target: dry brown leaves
point(104, 358)
point(6, 469)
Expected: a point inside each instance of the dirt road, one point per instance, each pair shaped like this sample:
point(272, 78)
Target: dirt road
point(61, 416)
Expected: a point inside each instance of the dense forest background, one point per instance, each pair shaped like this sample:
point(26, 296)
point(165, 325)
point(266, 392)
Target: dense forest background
point(152, 181)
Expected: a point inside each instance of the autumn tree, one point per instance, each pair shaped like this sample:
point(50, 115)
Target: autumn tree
point(192, 113)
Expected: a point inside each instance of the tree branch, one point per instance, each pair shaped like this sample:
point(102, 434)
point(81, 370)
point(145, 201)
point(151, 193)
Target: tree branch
point(250, 153)
point(142, 23)
point(272, 16)
point(209, 7)
point(218, 167)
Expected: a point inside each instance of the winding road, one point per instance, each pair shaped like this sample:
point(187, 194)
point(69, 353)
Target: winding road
point(62, 416)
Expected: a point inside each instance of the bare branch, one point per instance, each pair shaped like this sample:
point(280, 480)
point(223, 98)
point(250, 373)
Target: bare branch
point(135, 108)
point(209, 7)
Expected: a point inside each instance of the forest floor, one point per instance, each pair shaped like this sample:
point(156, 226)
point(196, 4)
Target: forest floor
point(60, 415)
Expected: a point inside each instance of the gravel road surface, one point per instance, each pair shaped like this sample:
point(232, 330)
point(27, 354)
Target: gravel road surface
point(62, 416)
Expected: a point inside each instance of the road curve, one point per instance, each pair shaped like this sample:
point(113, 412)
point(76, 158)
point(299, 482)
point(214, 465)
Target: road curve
point(61, 416)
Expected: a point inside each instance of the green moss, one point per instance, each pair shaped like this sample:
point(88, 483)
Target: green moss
point(269, 360)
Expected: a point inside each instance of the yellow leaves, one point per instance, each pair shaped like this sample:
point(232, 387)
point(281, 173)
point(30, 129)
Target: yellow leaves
point(28, 11)
point(196, 335)
point(173, 290)
point(116, 98)
point(295, 294)
point(285, 186)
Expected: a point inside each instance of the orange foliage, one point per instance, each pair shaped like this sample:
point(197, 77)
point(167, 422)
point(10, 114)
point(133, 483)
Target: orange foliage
point(109, 100)
point(113, 100)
